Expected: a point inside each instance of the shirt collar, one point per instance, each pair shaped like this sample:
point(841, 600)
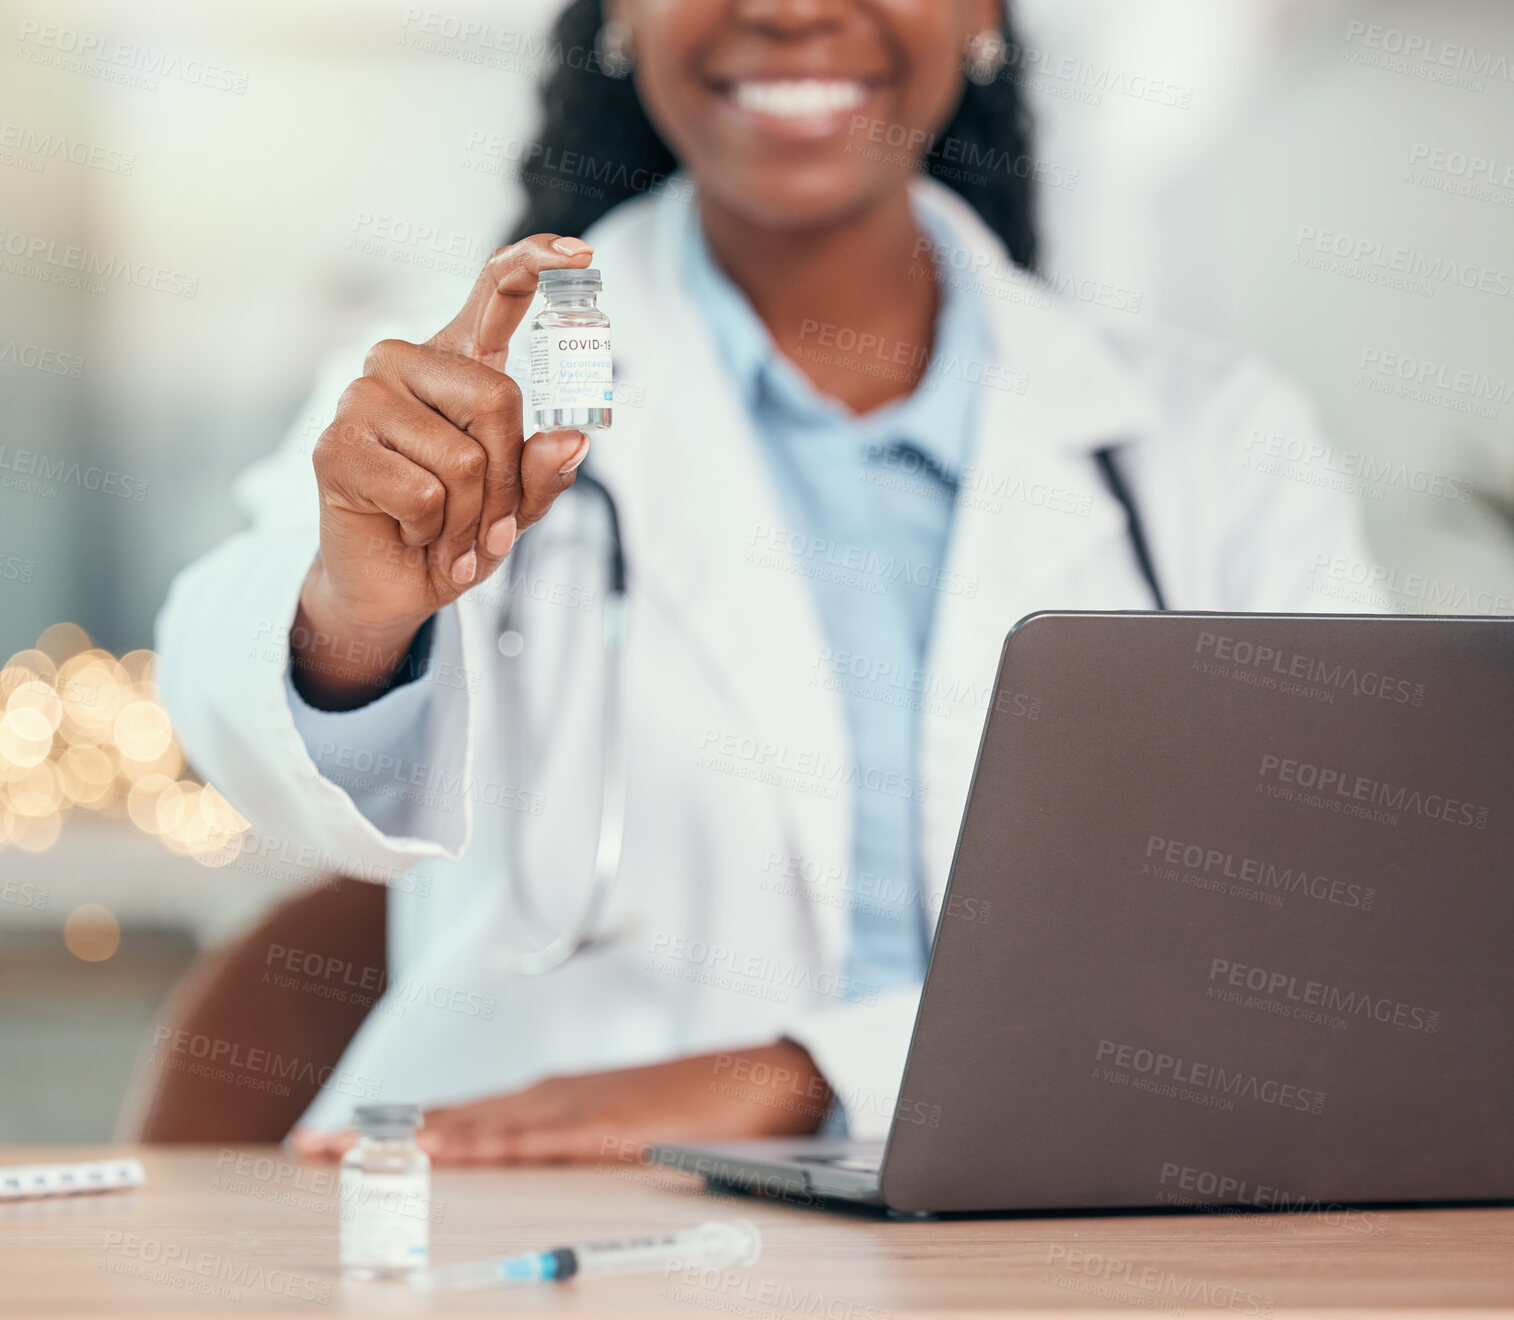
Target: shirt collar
point(935, 418)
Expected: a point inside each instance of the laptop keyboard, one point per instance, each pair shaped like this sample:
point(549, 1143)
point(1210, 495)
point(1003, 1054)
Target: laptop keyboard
point(850, 1163)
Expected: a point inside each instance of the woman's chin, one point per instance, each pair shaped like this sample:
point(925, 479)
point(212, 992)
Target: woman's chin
point(800, 196)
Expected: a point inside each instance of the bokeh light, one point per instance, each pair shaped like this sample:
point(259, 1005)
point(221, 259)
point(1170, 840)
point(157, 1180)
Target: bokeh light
point(92, 933)
point(83, 730)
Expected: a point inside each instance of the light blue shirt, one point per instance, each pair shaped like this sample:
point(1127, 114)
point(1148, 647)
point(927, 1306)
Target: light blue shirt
point(880, 489)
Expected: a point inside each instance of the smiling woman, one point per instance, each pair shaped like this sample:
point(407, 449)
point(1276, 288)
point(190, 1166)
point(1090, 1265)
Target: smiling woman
point(859, 441)
point(785, 114)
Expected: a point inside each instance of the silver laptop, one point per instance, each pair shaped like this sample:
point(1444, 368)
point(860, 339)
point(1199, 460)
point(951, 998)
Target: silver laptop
point(1250, 935)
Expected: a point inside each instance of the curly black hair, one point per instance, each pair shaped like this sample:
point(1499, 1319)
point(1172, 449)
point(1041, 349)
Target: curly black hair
point(596, 148)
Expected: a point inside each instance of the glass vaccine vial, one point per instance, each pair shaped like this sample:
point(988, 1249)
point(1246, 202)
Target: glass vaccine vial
point(385, 1195)
point(571, 380)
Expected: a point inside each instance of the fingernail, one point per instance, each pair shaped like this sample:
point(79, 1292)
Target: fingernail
point(571, 247)
point(501, 537)
point(579, 454)
point(465, 567)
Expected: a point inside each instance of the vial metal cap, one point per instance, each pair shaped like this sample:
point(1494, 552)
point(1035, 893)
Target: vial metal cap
point(587, 280)
point(379, 1119)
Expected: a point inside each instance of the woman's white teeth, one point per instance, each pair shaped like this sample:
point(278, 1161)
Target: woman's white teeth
point(798, 98)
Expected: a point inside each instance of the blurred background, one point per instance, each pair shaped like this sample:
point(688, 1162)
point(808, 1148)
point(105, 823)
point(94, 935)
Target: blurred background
point(252, 186)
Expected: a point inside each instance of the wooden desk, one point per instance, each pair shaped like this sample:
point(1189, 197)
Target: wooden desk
point(245, 1231)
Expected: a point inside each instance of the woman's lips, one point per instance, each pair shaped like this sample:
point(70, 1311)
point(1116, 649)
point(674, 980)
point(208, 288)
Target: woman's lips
point(796, 109)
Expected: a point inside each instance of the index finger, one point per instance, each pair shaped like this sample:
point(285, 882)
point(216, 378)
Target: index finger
point(504, 290)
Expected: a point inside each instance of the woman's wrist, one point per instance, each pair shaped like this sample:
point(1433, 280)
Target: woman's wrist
point(779, 1082)
point(337, 663)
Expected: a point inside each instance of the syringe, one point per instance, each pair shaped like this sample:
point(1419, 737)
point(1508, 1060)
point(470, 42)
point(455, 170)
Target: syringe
point(711, 1246)
point(28, 1180)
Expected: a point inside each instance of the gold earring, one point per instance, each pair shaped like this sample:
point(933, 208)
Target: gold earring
point(983, 57)
point(612, 48)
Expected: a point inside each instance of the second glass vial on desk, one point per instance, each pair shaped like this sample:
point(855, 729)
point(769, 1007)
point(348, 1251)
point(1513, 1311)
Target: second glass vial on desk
point(572, 384)
point(385, 1195)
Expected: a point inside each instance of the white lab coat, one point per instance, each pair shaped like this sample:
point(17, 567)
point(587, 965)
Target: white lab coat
point(730, 921)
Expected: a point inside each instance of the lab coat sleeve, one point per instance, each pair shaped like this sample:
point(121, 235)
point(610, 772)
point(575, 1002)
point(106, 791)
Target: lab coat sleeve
point(860, 1050)
point(1247, 504)
point(1283, 528)
point(391, 756)
point(367, 793)
point(1293, 538)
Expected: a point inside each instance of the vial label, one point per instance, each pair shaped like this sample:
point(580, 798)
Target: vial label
point(386, 1220)
point(570, 368)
